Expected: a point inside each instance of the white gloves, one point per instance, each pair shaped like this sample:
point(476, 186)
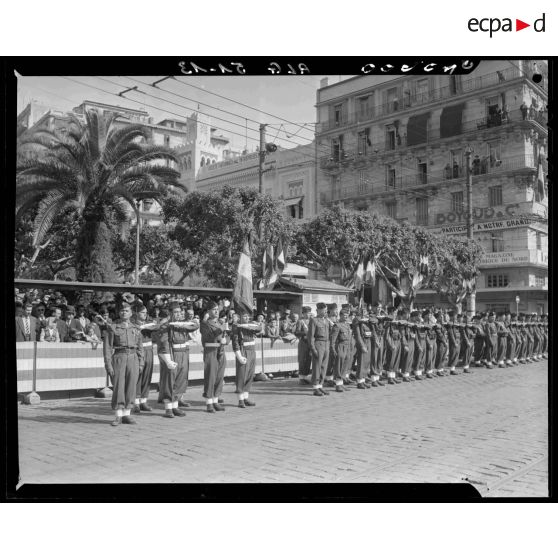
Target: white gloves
point(171, 365)
point(240, 358)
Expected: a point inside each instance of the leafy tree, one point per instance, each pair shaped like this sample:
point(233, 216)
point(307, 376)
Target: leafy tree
point(98, 168)
point(211, 226)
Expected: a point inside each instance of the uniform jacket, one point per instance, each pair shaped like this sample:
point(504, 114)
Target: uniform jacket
point(318, 330)
point(120, 336)
point(340, 335)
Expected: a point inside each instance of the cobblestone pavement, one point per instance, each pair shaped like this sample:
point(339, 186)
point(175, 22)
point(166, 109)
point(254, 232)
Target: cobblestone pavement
point(490, 427)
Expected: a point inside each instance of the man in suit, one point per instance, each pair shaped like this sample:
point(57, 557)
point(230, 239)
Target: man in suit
point(26, 325)
point(79, 324)
point(64, 325)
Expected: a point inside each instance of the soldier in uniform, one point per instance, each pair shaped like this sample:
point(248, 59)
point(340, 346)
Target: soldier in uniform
point(318, 337)
point(536, 337)
point(478, 343)
point(441, 344)
point(123, 356)
point(214, 339)
point(392, 344)
point(332, 316)
point(430, 344)
point(502, 339)
point(304, 353)
point(522, 339)
point(341, 349)
point(363, 337)
point(146, 372)
point(491, 340)
point(376, 346)
point(454, 338)
point(545, 335)
point(510, 342)
point(173, 341)
point(420, 346)
point(243, 338)
point(468, 341)
point(347, 381)
point(408, 334)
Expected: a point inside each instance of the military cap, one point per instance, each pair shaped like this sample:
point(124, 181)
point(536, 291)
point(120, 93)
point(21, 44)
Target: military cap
point(332, 306)
point(414, 313)
point(321, 305)
point(306, 309)
point(477, 317)
point(211, 304)
point(492, 314)
point(346, 306)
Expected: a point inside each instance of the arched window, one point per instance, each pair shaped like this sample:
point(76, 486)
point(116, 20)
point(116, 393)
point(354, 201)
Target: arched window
point(202, 162)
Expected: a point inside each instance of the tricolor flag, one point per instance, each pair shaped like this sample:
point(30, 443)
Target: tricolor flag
point(370, 277)
point(243, 296)
point(359, 275)
point(280, 261)
point(423, 265)
point(267, 266)
point(541, 191)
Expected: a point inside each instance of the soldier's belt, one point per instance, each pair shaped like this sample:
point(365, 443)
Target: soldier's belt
point(127, 350)
point(249, 343)
point(180, 346)
point(212, 345)
point(148, 344)
point(367, 335)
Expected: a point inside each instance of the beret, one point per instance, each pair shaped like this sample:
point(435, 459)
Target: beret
point(321, 305)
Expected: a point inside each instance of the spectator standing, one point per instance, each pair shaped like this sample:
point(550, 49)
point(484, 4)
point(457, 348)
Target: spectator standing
point(26, 325)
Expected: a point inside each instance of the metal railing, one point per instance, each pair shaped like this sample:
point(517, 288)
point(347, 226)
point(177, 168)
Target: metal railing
point(418, 180)
point(466, 85)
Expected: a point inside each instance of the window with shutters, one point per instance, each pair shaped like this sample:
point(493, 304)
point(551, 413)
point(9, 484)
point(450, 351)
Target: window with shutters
point(457, 202)
point(391, 209)
point(422, 211)
point(363, 141)
point(362, 182)
point(495, 196)
point(498, 241)
point(494, 281)
point(390, 176)
point(364, 107)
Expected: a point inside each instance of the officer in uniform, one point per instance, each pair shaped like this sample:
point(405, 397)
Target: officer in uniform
point(522, 339)
point(332, 316)
point(392, 344)
point(430, 344)
point(454, 338)
point(146, 373)
point(441, 344)
point(510, 342)
point(545, 335)
point(478, 342)
point(468, 341)
point(214, 339)
point(243, 338)
point(420, 346)
point(363, 337)
point(536, 336)
point(318, 338)
point(376, 346)
point(491, 340)
point(341, 349)
point(347, 381)
point(502, 340)
point(407, 349)
point(123, 356)
point(304, 353)
point(173, 342)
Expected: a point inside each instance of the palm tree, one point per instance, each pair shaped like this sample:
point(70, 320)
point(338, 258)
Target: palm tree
point(97, 168)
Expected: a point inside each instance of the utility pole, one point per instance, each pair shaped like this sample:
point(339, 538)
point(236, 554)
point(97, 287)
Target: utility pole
point(471, 305)
point(262, 157)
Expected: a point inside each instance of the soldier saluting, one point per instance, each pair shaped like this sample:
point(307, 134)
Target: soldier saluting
point(304, 354)
point(123, 355)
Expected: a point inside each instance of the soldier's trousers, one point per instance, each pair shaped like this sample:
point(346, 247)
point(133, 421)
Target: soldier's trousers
point(453, 354)
point(536, 345)
point(441, 354)
point(502, 347)
point(319, 362)
point(144, 378)
point(173, 383)
point(419, 357)
point(126, 371)
point(393, 356)
point(245, 372)
point(430, 355)
point(407, 356)
point(214, 362)
point(510, 350)
point(529, 347)
point(376, 359)
point(330, 362)
point(467, 351)
point(342, 362)
point(492, 348)
point(304, 357)
point(522, 349)
point(478, 350)
point(363, 360)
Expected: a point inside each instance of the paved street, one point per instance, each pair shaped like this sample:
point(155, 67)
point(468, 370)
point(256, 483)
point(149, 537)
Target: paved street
point(489, 427)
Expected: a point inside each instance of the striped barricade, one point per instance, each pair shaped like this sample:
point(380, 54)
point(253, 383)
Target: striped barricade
point(76, 366)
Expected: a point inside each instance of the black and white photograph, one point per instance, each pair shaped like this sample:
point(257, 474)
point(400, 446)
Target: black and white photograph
point(284, 278)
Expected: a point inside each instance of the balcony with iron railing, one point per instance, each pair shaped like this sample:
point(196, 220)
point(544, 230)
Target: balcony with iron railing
point(412, 100)
point(418, 180)
point(370, 151)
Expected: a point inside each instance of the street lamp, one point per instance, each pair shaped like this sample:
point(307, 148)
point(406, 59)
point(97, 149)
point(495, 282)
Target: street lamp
point(517, 299)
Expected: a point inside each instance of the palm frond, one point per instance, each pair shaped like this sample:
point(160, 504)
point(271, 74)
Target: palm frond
point(49, 208)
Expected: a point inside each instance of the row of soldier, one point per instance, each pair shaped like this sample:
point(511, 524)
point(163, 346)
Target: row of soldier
point(340, 348)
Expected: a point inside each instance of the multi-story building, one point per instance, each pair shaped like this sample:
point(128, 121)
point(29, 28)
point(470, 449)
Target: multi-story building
point(288, 175)
point(396, 146)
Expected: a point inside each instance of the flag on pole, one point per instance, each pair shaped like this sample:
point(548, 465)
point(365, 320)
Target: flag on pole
point(267, 267)
point(280, 261)
point(243, 296)
point(370, 277)
point(359, 275)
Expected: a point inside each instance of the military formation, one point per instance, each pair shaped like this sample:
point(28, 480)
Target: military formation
point(337, 348)
point(368, 347)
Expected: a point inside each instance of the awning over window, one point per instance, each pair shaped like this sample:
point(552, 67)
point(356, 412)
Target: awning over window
point(450, 121)
point(417, 129)
point(293, 201)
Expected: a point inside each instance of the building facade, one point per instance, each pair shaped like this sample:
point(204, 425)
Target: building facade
point(396, 147)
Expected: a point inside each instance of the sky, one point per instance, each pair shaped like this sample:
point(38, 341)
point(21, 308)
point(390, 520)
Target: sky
point(288, 100)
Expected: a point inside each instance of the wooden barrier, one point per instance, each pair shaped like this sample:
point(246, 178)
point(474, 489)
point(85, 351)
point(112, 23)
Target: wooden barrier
point(77, 366)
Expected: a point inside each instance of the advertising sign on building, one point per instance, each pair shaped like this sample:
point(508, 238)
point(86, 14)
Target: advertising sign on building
point(488, 226)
